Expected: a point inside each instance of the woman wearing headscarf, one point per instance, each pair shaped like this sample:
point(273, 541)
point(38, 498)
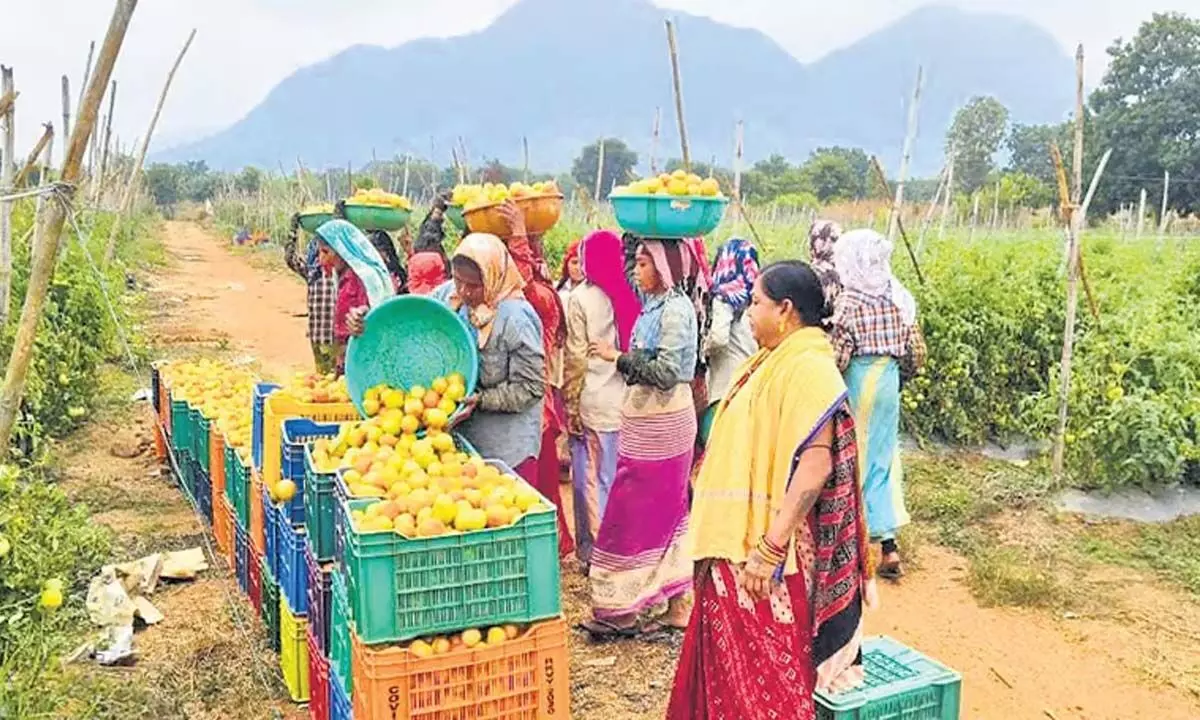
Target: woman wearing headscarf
point(321, 297)
point(428, 266)
point(601, 309)
point(822, 238)
point(777, 531)
point(487, 292)
point(571, 275)
point(526, 252)
point(638, 560)
point(363, 279)
point(877, 341)
point(729, 341)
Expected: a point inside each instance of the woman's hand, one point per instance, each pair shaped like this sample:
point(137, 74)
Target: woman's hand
point(465, 409)
point(514, 216)
point(356, 321)
point(603, 350)
point(757, 576)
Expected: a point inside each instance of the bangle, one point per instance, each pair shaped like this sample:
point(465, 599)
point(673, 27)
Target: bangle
point(767, 541)
point(770, 552)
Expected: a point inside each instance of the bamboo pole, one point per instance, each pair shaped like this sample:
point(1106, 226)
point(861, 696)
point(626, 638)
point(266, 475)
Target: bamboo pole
point(933, 206)
point(974, 216)
point(404, 192)
point(677, 83)
point(7, 114)
point(1162, 216)
point(949, 194)
point(87, 76)
point(108, 119)
point(66, 108)
point(525, 157)
point(996, 208)
point(1141, 220)
point(50, 225)
point(34, 155)
point(654, 140)
point(739, 138)
point(910, 136)
point(599, 170)
point(136, 171)
point(1073, 258)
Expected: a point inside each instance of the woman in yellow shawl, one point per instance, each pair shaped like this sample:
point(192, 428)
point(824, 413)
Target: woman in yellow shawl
point(777, 528)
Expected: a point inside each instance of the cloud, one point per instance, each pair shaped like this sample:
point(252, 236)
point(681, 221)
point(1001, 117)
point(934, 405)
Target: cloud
point(243, 48)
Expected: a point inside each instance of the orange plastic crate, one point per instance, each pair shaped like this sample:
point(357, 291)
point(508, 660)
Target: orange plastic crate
point(216, 466)
point(278, 408)
point(523, 679)
point(223, 528)
point(258, 537)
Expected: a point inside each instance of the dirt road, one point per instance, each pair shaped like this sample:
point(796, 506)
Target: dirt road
point(1015, 663)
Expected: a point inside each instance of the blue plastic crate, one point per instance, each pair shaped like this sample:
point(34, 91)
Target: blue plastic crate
point(340, 707)
point(270, 533)
point(203, 484)
point(296, 434)
point(242, 553)
point(293, 570)
point(901, 684)
point(261, 391)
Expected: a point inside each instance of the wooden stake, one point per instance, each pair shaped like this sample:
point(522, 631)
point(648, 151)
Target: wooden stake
point(66, 109)
point(949, 195)
point(996, 208)
point(599, 170)
point(887, 190)
point(1141, 219)
point(50, 225)
point(112, 106)
point(910, 136)
point(404, 192)
point(654, 141)
point(525, 156)
point(135, 172)
point(739, 137)
point(7, 168)
point(974, 216)
point(677, 82)
point(1162, 216)
point(933, 206)
point(87, 75)
point(34, 155)
point(1072, 273)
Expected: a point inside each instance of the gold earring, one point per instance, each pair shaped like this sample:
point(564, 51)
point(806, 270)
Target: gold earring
point(782, 326)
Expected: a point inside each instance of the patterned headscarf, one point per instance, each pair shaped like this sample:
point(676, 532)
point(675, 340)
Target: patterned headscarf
point(735, 271)
point(822, 239)
point(564, 277)
point(675, 261)
point(863, 260)
point(501, 281)
point(364, 260)
point(602, 258)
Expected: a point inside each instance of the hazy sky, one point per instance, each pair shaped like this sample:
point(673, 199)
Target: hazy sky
point(244, 47)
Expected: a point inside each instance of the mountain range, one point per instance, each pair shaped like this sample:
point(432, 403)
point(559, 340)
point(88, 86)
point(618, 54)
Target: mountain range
point(563, 73)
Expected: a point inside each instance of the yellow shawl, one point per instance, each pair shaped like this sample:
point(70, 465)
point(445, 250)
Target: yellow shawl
point(778, 399)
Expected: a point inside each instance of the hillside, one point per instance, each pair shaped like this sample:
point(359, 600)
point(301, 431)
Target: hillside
point(564, 72)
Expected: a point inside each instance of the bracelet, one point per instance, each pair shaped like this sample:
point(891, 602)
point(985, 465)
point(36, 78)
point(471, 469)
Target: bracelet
point(770, 552)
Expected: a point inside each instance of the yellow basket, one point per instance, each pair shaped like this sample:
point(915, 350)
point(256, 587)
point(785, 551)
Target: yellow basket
point(278, 408)
point(293, 651)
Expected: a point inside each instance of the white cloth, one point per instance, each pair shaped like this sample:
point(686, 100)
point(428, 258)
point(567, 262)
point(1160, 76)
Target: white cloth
point(863, 259)
point(729, 344)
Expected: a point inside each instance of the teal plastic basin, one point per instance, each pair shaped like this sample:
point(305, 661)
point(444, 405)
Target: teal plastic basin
point(409, 340)
point(660, 216)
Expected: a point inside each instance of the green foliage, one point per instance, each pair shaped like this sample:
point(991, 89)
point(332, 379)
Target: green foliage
point(1029, 150)
point(773, 177)
point(974, 138)
point(619, 162)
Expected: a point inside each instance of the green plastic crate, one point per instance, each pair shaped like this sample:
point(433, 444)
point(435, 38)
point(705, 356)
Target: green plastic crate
point(200, 440)
point(270, 606)
point(402, 588)
point(339, 630)
point(901, 684)
point(237, 486)
point(320, 503)
point(181, 425)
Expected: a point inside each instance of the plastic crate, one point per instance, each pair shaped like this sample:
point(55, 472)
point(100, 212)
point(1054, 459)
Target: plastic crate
point(255, 572)
point(524, 678)
point(319, 598)
point(340, 628)
point(271, 534)
point(155, 389)
point(194, 418)
point(296, 434)
point(402, 588)
point(242, 558)
point(216, 466)
point(293, 651)
point(181, 438)
point(261, 391)
point(269, 612)
point(223, 529)
point(293, 571)
point(187, 477)
point(340, 707)
point(901, 684)
point(237, 486)
point(278, 408)
point(203, 491)
point(258, 537)
point(319, 508)
point(200, 445)
point(318, 679)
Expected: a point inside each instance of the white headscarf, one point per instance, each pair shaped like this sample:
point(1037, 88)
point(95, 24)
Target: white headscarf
point(864, 265)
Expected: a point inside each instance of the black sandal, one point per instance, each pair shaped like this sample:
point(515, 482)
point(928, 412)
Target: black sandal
point(604, 631)
point(890, 571)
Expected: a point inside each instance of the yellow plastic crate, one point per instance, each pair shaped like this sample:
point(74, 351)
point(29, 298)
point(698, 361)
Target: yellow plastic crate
point(293, 651)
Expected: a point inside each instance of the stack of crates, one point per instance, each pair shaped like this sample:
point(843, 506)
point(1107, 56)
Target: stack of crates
point(390, 590)
point(901, 684)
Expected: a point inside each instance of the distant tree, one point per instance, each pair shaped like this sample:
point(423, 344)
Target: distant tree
point(831, 177)
point(162, 181)
point(1146, 110)
point(249, 180)
point(1029, 149)
point(619, 162)
point(974, 137)
point(773, 177)
point(860, 166)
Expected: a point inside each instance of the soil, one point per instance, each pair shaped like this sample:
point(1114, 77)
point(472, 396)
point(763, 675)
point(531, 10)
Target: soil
point(1134, 657)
